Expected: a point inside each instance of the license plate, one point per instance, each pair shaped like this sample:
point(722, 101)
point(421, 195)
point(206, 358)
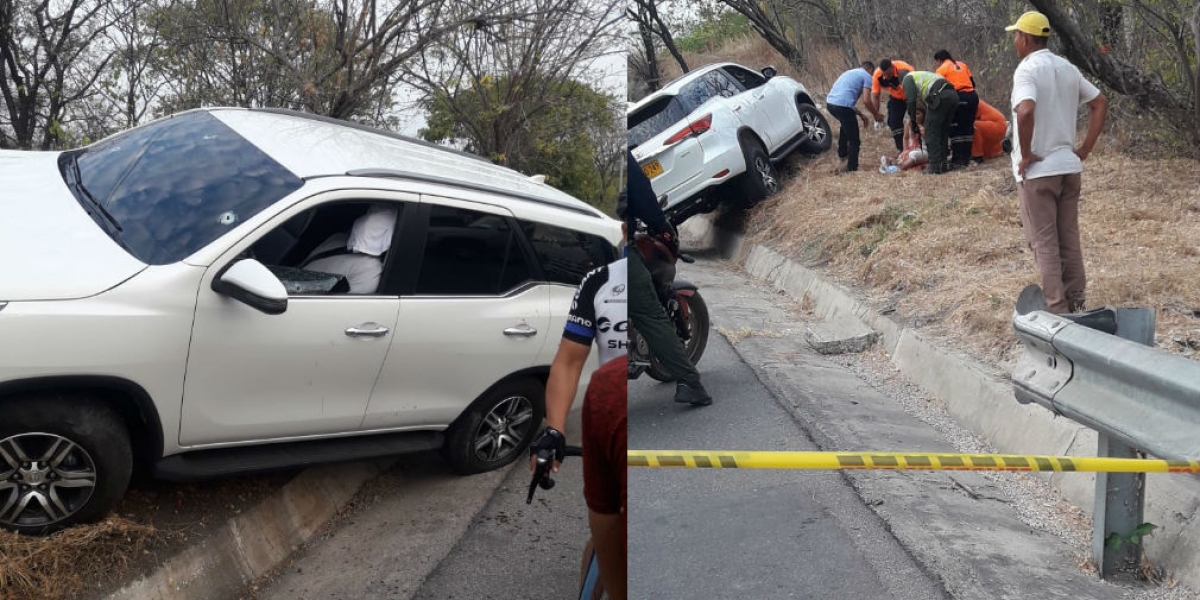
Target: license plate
point(652, 169)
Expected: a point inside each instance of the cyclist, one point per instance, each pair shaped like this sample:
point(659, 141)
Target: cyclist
point(604, 462)
point(598, 313)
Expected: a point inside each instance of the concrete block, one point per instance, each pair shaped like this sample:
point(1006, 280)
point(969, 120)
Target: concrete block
point(840, 336)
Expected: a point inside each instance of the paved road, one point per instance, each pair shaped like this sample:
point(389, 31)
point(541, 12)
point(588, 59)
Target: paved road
point(749, 534)
point(813, 534)
point(421, 532)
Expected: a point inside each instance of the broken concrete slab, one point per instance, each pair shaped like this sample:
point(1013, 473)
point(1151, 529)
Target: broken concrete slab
point(842, 335)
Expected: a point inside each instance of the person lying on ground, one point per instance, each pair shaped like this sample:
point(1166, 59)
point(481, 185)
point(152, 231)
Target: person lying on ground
point(914, 155)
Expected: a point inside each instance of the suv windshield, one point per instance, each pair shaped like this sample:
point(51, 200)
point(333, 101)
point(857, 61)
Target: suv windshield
point(654, 118)
point(174, 186)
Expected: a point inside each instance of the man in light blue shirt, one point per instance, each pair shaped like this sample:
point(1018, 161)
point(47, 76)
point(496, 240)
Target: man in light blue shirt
point(842, 101)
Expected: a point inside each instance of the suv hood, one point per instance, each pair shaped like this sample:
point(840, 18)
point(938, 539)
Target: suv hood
point(50, 248)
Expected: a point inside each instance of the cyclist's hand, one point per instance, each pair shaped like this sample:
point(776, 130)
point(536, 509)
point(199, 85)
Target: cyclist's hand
point(551, 444)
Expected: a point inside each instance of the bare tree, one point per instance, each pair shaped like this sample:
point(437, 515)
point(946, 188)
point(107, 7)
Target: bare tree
point(504, 72)
point(642, 63)
point(340, 58)
point(128, 90)
point(767, 19)
point(645, 14)
point(1116, 74)
point(49, 59)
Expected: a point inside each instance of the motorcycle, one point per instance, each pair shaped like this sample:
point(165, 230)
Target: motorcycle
point(681, 300)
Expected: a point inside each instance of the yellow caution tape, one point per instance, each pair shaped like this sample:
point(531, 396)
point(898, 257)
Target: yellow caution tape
point(703, 459)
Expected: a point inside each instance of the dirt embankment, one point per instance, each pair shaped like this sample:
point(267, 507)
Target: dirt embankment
point(947, 254)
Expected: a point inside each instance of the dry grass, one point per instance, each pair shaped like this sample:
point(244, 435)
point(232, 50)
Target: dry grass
point(154, 521)
point(948, 254)
point(68, 563)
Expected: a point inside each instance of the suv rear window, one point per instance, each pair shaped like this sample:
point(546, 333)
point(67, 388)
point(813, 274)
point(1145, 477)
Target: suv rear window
point(654, 118)
point(176, 185)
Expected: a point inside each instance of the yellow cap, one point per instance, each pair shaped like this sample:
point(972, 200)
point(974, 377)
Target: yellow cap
point(1033, 23)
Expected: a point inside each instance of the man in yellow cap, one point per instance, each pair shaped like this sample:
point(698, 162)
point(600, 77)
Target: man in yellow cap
point(1046, 93)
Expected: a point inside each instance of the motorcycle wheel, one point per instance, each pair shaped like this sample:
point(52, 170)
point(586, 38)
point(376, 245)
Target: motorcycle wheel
point(698, 324)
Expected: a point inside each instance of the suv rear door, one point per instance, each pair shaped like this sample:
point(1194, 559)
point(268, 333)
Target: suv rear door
point(471, 313)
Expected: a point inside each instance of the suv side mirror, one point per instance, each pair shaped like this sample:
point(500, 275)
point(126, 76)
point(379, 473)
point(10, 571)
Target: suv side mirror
point(251, 283)
point(769, 72)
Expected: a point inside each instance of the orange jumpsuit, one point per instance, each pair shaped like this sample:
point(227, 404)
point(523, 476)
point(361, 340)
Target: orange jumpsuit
point(990, 127)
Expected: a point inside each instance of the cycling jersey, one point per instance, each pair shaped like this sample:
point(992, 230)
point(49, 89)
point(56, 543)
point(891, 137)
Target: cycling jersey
point(600, 312)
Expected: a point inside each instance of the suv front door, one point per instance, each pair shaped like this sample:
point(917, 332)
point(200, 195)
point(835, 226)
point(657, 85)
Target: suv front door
point(253, 376)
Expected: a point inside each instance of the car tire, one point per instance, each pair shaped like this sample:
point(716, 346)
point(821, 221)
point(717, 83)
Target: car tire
point(63, 461)
point(816, 129)
point(693, 349)
point(760, 179)
point(496, 428)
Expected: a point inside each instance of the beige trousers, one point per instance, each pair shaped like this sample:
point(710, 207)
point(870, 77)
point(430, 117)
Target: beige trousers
point(1050, 221)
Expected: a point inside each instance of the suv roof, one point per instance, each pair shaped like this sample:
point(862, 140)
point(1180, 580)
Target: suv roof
point(315, 146)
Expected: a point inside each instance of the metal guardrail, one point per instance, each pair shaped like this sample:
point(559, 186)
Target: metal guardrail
point(1144, 397)
point(1134, 396)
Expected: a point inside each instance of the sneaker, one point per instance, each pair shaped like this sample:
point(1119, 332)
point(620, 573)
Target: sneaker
point(693, 394)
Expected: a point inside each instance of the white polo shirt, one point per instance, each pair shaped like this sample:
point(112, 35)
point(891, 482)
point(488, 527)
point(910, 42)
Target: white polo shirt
point(1057, 89)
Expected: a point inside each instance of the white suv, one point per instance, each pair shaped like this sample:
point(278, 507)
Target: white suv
point(716, 133)
point(230, 291)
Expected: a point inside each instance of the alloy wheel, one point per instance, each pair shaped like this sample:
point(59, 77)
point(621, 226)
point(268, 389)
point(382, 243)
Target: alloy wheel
point(44, 478)
point(813, 128)
point(767, 173)
point(503, 429)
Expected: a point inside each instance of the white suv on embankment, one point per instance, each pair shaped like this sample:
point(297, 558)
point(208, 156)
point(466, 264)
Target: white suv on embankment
point(229, 291)
point(716, 133)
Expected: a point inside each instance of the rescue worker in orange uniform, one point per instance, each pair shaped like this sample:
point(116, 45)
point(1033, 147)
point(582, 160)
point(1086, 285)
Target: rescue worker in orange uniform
point(990, 127)
point(962, 129)
point(889, 75)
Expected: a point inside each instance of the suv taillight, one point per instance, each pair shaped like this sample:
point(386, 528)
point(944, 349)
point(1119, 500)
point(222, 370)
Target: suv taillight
point(696, 127)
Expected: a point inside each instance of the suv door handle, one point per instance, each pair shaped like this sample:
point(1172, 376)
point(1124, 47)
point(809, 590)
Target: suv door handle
point(362, 331)
point(522, 330)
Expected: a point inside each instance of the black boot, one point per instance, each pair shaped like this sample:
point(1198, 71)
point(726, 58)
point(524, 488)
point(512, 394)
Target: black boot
point(692, 393)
